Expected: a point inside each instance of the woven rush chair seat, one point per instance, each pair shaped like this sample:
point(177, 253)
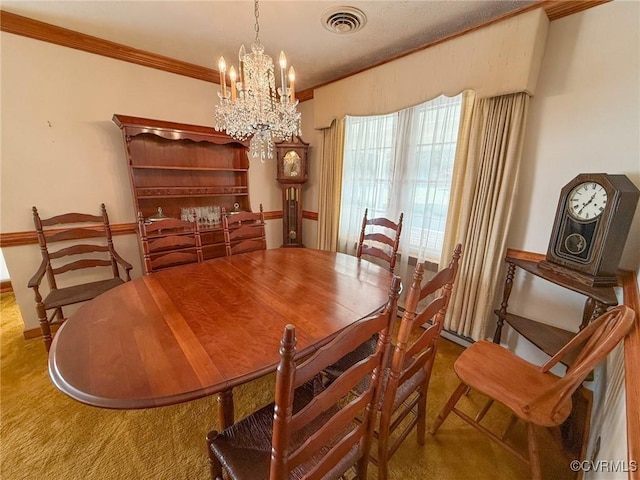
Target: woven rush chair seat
point(246, 445)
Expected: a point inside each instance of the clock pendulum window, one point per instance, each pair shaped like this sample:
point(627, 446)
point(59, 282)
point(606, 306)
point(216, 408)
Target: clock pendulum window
point(292, 174)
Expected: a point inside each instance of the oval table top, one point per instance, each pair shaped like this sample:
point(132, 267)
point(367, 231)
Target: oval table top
point(199, 329)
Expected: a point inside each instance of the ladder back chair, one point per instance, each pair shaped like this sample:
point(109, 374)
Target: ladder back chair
point(366, 348)
point(310, 433)
point(244, 232)
point(532, 393)
point(85, 244)
point(168, 243)
point(382, 244)
point(407, 379)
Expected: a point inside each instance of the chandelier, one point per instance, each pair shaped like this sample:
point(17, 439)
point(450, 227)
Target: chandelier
point(252, 107)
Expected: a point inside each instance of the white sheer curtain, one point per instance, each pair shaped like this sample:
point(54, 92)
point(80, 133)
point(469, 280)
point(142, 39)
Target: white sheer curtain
point(401, 162)
point(369, 172)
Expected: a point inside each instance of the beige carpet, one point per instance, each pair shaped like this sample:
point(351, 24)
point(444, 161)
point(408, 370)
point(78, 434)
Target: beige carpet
point(46, 435)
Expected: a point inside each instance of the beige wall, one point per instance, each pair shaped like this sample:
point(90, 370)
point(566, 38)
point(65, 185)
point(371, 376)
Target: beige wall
point(61, 151)
point(310, 189)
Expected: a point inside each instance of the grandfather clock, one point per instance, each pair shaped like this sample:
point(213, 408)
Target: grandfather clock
point(292, 173)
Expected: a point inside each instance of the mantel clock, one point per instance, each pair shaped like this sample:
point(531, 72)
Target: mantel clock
point(292, 174)
point(592, 223)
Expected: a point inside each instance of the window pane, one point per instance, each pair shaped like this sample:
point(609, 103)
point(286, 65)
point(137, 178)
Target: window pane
point(401, 162)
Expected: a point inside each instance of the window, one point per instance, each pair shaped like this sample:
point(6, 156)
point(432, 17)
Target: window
point(401, 162)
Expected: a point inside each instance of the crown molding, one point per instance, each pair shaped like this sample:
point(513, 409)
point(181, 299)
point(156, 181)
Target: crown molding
point(556, 9)
point(27, 27)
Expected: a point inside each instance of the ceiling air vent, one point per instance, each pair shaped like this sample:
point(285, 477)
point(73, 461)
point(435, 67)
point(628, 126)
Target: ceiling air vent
point(343, 19)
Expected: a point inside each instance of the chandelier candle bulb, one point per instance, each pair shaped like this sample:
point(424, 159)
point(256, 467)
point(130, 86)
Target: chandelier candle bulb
point(292, 89)
point(241, 56)
point(222, 66)
point(283, 66)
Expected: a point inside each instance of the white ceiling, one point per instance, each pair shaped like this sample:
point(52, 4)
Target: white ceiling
point(200, 32)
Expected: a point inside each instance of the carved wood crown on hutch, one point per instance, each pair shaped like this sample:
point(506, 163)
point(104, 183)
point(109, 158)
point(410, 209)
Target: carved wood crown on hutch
point(173, 130)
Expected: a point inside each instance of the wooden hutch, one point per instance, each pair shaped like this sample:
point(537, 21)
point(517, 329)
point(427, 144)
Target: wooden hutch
point(175, 166)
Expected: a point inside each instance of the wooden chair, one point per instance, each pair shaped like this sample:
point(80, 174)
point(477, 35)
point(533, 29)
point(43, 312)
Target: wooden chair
point(375, 237)
point(534, 394)
point(244, 232)
point(168, 243)
point(310, 433)
point(407, 379)
point(92, 235)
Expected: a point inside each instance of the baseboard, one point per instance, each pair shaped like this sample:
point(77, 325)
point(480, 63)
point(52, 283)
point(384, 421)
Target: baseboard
point(36, 332)
point(6, 287)
point(455, 338)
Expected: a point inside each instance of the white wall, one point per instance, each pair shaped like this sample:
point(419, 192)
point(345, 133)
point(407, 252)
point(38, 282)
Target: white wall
point(61, 151)
point(585, 117)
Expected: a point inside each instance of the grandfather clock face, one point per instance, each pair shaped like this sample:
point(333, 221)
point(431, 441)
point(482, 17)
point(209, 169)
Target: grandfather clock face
point(592, 222)
point(292, 161)
point(291, 164)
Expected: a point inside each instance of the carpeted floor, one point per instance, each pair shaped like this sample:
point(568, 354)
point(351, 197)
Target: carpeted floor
point(46, 435)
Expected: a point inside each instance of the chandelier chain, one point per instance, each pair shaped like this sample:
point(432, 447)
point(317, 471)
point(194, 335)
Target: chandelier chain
point(257, 25)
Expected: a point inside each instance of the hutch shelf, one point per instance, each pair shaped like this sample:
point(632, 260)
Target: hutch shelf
point(175, 166)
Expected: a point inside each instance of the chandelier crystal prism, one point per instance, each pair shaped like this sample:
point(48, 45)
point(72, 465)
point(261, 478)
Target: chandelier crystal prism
point(252, 107)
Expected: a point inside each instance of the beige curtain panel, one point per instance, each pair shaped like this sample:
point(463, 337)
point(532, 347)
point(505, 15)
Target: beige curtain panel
point(484, 184)
point(330, 185)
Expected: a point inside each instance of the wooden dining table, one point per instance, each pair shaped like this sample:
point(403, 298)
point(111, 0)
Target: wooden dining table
point(201, 329)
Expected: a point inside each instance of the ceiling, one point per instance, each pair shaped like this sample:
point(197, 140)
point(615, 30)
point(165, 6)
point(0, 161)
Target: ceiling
point(199, 32)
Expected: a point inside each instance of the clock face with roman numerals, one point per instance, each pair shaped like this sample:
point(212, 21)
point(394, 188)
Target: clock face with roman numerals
point(587, 201)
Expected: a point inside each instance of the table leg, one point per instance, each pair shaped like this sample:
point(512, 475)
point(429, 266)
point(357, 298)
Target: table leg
point(225, 409)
